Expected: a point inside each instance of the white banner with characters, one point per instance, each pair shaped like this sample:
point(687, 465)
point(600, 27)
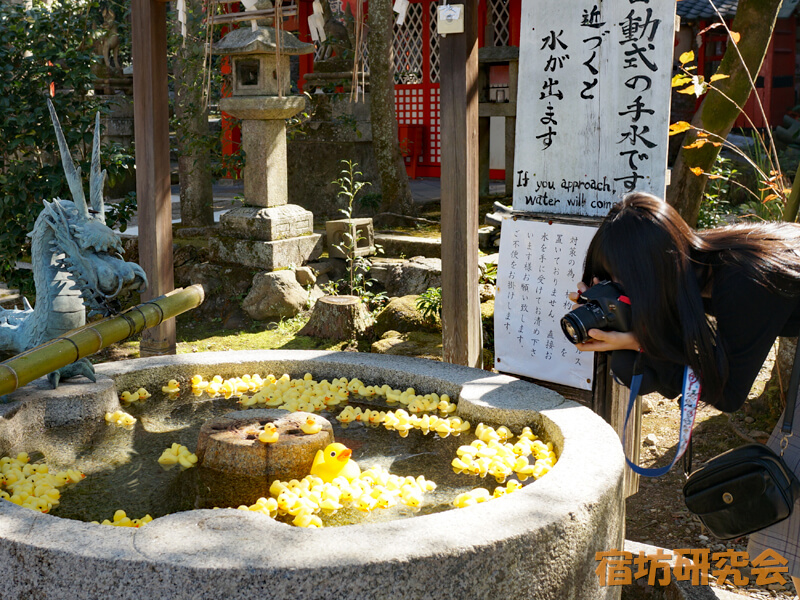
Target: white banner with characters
point(539, 264)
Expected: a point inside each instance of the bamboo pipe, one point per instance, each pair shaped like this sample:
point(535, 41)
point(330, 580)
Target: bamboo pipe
point(85, 341)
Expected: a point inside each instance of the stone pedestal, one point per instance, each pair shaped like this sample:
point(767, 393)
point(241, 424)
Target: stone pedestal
point(235, 467)
point(267, 256)
point(267, 224)
point(267, 238)
point(264, 143)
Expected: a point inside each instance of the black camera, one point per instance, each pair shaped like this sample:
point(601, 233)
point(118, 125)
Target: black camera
point(604, 306)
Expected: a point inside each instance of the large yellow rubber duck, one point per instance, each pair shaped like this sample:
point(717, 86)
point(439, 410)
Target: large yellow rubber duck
point(333, 462)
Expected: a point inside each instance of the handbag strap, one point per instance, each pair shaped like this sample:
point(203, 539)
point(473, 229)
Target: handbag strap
point(688, 404)
point(791, 400)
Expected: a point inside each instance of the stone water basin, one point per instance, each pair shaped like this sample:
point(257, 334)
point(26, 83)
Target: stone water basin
point(539, 542)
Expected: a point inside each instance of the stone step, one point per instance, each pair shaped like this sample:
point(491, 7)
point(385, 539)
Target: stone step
point(675, 590)
point(409, 245)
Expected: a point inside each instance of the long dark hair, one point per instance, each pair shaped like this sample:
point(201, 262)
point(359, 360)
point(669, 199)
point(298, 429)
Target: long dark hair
point(663, 265)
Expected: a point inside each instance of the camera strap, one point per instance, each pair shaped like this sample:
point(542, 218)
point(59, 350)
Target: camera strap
point(688, 403)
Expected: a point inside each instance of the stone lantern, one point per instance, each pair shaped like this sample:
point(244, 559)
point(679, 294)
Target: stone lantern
point(267, 232)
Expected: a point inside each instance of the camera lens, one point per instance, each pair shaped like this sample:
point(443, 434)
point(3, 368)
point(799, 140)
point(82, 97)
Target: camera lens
point(576, 324)
point(573, 329)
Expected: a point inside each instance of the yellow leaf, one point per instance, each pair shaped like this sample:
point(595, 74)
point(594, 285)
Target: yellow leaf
point(716, 144)
point(680, 79)
point(697, 144)
point(686, 57)
point(718, 76)
point(702, 134)
point(697, 171)
point(715, 176)
point(735, 37)
point(679, 127)
point(770, 197)
point(688, 90)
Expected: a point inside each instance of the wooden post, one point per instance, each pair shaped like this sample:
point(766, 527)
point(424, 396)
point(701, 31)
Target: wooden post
point(511, 126)
point(461, 320)
point(151, 129)
point(484, 127)
point(610, 401)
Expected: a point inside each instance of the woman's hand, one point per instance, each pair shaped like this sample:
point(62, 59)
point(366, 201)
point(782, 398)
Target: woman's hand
point(582, 287)
point(606, 341)
point(603, 341)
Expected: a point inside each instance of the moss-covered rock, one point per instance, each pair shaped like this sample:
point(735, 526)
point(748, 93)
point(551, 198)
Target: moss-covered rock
point(419, 344)
point(401, 315)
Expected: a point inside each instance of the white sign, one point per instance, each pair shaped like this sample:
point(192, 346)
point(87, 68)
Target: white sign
point(539, 265)
point(593, 108)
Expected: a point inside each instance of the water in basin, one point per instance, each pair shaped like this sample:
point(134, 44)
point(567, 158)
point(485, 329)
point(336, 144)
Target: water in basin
point(122, 471)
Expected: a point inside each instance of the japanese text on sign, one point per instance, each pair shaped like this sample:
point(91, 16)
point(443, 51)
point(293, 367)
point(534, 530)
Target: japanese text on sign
point(581, 60)
point(539, 264)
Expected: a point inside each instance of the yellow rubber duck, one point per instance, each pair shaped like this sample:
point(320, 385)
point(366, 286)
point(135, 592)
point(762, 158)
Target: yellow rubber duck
point(310, 427)
point(307, 520)
point(172, 387)
point(121, 419)
point(335, 461)
point(143, 394)
point(270, 434)
point(127, 397)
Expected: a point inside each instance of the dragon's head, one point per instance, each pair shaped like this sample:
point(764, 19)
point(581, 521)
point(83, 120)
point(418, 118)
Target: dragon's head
point(82, 243)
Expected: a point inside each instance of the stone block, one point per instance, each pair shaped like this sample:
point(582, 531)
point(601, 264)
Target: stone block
point(267, 224)
point(336, 233)
point(268, 256)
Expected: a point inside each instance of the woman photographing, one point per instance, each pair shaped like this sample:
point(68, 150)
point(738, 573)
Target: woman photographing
point(714, 300)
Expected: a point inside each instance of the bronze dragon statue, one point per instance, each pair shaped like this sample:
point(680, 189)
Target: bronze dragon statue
point(77, 264)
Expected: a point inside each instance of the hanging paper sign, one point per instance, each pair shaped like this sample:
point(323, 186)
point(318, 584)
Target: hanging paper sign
point(539, 265)
point(316, 27)
point(181, 8)
point(451, 19)
point(593, 108)
point(401, 8)
point(250, 6)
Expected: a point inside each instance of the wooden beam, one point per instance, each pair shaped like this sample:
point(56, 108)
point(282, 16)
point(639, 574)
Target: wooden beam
point(251, 15)
point(151, 131)
point(461, 317)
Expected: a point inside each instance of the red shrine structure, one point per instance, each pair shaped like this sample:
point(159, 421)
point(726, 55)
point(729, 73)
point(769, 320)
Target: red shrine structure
point(417, 62)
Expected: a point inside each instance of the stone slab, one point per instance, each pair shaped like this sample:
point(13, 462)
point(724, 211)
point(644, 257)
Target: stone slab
point(266, 255)
point(263, 107)
point(409, 245)
point(267, 224)
point(674, 590)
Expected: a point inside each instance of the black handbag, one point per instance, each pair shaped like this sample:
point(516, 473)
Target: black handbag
point(749, 488)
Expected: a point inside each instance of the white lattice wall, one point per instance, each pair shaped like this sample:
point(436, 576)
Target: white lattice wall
point(501, 14)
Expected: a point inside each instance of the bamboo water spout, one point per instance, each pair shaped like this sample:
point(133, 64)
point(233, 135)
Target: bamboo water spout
point(85, 341)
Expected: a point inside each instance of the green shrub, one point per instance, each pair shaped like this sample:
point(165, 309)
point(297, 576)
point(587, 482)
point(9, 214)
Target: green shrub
point(40, 47)
point(429, 304)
